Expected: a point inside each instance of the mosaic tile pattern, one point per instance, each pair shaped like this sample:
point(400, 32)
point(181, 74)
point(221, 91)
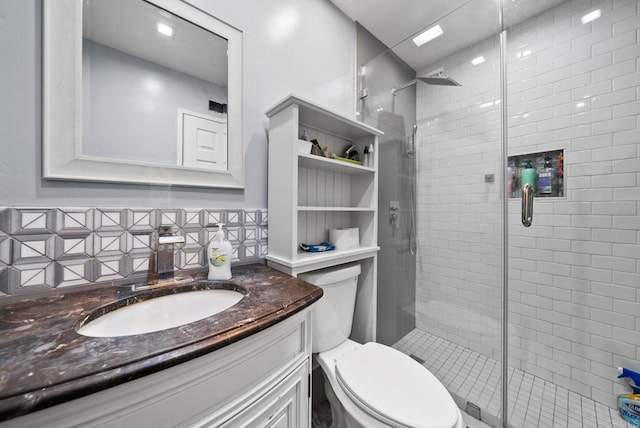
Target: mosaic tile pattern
point(47, 248)
point(533, 401)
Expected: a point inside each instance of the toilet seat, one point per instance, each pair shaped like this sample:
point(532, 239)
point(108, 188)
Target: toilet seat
point(395, 389)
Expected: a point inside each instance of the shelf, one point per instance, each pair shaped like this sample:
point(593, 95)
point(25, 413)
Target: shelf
point(335, 209)
point(323, 118)
point(332, 165)
point(311, 261)
point(327, 194)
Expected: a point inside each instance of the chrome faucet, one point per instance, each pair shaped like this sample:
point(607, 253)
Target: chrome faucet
point(161, 261)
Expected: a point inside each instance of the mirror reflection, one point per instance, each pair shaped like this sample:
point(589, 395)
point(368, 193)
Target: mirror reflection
point(154, 87)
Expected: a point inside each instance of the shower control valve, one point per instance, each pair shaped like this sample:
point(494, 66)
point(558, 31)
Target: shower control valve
point(394, 211)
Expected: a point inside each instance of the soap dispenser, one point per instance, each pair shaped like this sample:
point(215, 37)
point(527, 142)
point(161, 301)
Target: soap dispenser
point(219, 255)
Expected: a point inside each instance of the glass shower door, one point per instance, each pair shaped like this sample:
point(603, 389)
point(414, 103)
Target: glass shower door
point(574, 271)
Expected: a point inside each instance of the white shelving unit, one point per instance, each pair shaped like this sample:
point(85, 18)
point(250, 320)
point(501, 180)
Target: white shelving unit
point(308, 195)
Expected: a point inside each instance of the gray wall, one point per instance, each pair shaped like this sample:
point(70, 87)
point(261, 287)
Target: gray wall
point(282, 55)
point(130, 106)
point(396, 265)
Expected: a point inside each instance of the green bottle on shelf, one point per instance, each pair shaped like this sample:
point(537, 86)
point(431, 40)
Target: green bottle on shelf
point(529, 174)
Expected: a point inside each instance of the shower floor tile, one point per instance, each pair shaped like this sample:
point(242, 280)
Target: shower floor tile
point(472, 377)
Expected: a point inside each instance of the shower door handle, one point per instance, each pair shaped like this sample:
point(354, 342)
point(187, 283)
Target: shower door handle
point(527, 205)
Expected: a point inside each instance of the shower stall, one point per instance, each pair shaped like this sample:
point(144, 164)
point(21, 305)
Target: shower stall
point(524, 316)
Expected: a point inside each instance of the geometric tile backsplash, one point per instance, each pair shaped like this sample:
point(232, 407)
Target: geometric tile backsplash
point(47, 248)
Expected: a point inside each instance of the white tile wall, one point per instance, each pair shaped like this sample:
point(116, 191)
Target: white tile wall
point(575, 274)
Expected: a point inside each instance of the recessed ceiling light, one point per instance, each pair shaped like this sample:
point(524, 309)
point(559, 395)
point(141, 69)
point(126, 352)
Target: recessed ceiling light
point(591, 16)
point(478, 60)
point(428, 35)
point(165, 29)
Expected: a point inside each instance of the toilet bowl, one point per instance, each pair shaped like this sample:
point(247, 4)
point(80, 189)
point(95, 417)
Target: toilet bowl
point(370, 385)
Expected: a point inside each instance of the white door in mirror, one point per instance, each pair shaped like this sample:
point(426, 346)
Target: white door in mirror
point(203, 143)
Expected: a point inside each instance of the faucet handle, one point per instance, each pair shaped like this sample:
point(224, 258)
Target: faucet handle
point(166, 236)
point(171, 239)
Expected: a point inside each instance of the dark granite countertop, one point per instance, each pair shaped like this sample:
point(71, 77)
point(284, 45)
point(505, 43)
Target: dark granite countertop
point(44, 361)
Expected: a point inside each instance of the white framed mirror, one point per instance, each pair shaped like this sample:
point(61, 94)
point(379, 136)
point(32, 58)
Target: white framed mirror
point(141, 91)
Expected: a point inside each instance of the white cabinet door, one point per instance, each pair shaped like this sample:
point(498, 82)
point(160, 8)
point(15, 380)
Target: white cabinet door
point(204, 141)
point(284, 406)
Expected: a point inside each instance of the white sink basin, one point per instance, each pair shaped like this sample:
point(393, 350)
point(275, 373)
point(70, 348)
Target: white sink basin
point(161, 313)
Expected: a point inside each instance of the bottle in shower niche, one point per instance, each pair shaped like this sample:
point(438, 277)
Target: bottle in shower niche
point(528, 174)
point(560, 176)
point(371, 156)
point(546, 178)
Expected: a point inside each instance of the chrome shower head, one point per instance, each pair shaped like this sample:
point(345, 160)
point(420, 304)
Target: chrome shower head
point(436, 77)
point(433, 78)
point(439, 80)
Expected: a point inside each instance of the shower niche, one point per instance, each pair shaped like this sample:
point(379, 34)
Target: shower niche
point(548, 174)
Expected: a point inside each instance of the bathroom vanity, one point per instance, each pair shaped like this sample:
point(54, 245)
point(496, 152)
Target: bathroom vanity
point(247, 365)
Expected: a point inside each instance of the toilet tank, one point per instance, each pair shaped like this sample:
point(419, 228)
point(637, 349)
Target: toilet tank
point(333, 314)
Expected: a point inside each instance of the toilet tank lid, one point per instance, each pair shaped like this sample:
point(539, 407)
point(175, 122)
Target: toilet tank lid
point(331, 275)
point(395, 388)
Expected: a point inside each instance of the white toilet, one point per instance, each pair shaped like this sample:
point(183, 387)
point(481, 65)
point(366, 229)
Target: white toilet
point(371, 385)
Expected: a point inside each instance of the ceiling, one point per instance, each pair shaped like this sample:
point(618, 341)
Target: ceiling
point(464, 22)
point(130, 27)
